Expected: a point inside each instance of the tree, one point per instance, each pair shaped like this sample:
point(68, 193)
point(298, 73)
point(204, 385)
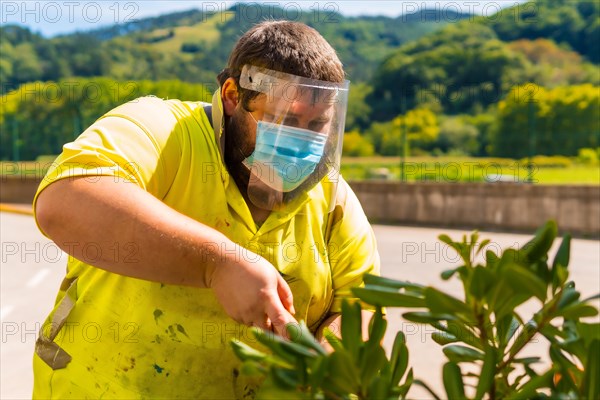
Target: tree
point(46, 115)
point(460, 69)
point(558, 121)
point(356, 145)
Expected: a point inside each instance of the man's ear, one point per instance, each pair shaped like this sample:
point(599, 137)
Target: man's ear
point(229, 96)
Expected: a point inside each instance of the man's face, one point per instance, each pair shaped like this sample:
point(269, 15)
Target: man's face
point(241, 126)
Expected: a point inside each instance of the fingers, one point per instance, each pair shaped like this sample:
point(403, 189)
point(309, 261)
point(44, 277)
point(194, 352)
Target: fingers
point(285, 294)
point(279, 316)
point(264, 323)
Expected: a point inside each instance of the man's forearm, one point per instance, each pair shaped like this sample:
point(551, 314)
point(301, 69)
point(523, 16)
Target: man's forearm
point(123, 229)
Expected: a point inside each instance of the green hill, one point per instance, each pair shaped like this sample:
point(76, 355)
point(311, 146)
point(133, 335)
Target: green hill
point(469, 66)
point(192, 46)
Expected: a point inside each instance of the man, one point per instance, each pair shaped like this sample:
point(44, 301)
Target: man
point(182, 235)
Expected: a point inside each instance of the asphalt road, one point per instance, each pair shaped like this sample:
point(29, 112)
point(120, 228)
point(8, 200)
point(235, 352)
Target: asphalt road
point(32, 268)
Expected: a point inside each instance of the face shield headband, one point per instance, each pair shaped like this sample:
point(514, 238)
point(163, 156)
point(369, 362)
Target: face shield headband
point(298, 138)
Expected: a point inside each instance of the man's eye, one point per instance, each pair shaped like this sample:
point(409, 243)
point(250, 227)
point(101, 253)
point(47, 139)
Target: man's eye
point(268, 117)
point(317, 126)
point(290, 122)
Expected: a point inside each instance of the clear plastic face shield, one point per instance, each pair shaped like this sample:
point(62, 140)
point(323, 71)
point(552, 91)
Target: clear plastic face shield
point(298, 138)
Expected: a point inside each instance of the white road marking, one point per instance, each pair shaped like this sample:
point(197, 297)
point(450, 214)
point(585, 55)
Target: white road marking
point(37, 278)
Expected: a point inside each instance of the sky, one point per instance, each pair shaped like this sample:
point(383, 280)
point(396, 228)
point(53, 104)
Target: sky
point(51, 18)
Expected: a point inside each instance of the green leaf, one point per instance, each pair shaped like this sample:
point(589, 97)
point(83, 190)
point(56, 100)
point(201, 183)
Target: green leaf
point(527, 360)
point(529, 330)
point(372, 362)
point(299, 333)
point(482, 280)
point(333, 340)
point(377, 280)
point(591, 378)
point(284, 378)
point(558, 358)
point(386, 297)
point(318, 372)
point(407, 384)
point(457, 353)
point(398, 358)
point(271, 390)
point(463, 333)
point(506, 328)
point(298, 350)
point(461, 248)
point(443, 338)
point(425, 317)
point(449, 273)
point(486, 377)
point(578, 310)
point(510, 257)
point(351, 328)
point(561, 262)
point(491, 259)
point(569, 296)
point(552, 333)
point(529, 389)
point(589, 331)
point(524, 281)
point(274, 342)
point(538, 247)
point(342, 372)
point(446, 239)
point(245, 352)
point(453, 382)
point(440, 302)
point(377, 327)
point(425, 386)
point(378, 388)
point(482, 245)
point(508, 301)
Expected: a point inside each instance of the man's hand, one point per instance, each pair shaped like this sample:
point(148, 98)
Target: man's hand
point(254, 293)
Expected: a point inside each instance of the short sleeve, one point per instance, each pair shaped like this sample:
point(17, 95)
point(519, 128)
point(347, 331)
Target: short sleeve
point(352, 248)
point(137, 142)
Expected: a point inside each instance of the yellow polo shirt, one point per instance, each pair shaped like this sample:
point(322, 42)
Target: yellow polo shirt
point(113, 336)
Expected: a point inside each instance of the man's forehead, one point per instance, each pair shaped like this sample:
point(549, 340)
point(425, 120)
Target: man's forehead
point(293, 93)
point(300, 110)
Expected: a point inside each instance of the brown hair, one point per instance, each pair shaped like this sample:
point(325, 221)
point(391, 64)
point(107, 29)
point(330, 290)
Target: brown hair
point(284, 46)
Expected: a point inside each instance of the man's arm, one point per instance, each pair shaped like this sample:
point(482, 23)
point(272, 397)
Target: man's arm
point(169, 247)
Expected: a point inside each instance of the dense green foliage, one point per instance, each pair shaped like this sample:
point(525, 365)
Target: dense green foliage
point(559, 121)
point(40, 117)
point(193, 46)
point(469, 66)
point(575, 24)
point(482, 331)
point(464, 70)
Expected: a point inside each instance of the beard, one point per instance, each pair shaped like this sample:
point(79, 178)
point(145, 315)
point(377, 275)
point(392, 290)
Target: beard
point(238, 146)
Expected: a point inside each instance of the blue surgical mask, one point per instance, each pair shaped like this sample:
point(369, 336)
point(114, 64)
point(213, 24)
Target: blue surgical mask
point(285, 156)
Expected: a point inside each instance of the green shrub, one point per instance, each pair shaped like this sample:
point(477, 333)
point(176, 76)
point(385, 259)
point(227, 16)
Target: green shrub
point(482, 332)
point(549, 161)
point(587, 156)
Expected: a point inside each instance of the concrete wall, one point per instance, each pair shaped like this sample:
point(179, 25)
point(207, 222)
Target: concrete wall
point(18, 189)
point(498, 206)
